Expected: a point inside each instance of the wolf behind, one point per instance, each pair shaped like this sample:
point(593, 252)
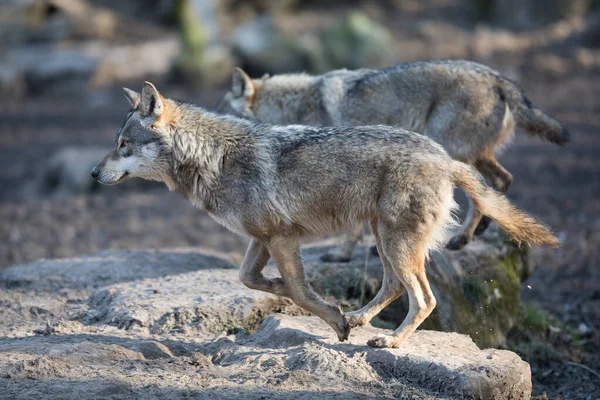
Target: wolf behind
point(277, 184)
point(468, 108)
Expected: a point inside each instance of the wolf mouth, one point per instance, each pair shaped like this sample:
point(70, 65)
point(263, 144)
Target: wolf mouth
point(121, 179)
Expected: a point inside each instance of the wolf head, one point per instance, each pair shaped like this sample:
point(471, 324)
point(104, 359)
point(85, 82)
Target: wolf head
point(142, 147)
point(239, 100)
point(280, 99)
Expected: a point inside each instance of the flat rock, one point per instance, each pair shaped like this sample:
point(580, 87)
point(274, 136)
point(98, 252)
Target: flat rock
point(109, 267)
point(206, 301)
point(447, 363)
point(179, 324)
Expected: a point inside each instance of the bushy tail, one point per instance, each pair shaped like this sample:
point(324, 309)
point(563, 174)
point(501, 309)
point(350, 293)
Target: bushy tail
point(531, 119)
point(520, 225)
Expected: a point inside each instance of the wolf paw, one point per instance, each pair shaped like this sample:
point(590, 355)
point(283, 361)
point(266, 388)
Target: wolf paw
point(458, 242)
point(383, 341)
point(335, 256)
point(482, 226)
point(356, 319)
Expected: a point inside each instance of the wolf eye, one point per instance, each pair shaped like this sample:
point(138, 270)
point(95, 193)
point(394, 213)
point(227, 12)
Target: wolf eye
point(123, 144)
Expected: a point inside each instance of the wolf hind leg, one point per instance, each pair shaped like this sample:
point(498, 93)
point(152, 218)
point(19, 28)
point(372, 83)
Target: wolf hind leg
point(408, 262)
point(482, 226)
point(468, 228)
point(390, 290)
point(496, 176)
point(286, 254)
point(344, 254)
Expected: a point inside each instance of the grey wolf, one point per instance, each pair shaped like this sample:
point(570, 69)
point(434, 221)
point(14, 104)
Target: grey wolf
point(468, 108)
point(277, 184)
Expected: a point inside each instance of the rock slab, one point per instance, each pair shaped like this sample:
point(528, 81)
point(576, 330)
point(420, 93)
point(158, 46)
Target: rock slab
point(447, 363)
point(178, 324)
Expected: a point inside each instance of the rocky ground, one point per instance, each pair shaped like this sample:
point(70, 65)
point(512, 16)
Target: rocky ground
point(178, 323)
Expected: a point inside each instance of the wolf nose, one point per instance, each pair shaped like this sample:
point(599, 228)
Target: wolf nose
point(95, 172)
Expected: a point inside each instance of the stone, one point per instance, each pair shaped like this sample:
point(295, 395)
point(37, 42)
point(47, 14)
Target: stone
point(67, 171)
point(74, 66)
point(47, 68)
point(205, 301)
point(178, 324)
point(449, 363)
point(106, 268)
point(354, 42)
point(262, 47)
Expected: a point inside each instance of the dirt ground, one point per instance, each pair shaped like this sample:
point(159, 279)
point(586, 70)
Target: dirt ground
point(560, 186)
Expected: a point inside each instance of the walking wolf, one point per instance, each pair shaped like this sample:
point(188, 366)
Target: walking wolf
point(279, 183)
point(468, 108)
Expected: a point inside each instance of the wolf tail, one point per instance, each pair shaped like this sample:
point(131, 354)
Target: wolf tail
point(517, 223)
point(530, 118)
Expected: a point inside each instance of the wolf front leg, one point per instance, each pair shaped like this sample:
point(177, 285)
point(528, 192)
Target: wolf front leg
point(286, 254)
point(251, 275)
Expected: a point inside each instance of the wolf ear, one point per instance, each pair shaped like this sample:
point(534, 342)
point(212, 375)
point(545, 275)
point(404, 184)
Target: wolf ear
point(152, 103)
point(242, 85)
point(132, 97)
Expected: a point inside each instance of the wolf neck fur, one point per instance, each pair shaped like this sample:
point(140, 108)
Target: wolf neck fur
point(200, 147)
point(298, 90)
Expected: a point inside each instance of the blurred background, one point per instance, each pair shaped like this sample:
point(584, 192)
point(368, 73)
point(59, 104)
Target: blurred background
point(63, 63)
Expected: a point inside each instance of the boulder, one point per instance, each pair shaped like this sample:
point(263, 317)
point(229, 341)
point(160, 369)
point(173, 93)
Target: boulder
point(46, 68)
point(262, 46)
point(355, 41)
point(206, 301)
point(68, 171)
point(448, 364)
point(104, 269)
point(178, 324)
point(478, 288)
point(74, 66)
point(203, 58)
